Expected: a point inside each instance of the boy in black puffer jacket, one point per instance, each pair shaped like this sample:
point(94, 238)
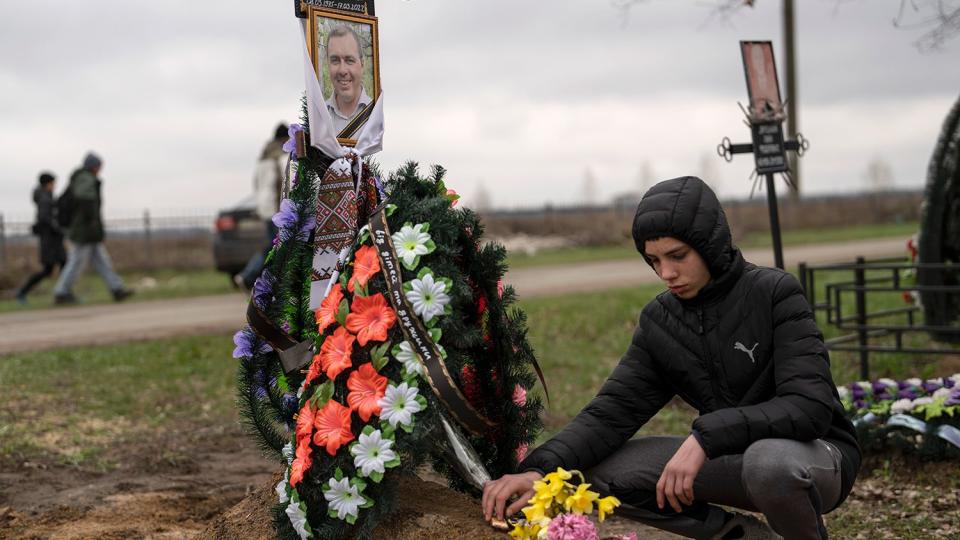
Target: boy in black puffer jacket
point(740, 344)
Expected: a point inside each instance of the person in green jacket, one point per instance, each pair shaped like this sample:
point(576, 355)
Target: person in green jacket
point(86, 234)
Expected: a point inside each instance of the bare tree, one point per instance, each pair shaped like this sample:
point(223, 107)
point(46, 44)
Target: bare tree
point(646, 178)
point(589, 188)
point(940, 18)
point(879, 175)
point(481, 199)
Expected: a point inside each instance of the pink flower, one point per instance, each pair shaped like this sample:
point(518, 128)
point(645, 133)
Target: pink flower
point(520, 396)
point(500, 288)
point(522, 451)
point(631, 536)
point(571, 527)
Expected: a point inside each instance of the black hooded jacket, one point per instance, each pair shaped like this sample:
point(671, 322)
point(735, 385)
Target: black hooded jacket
point(745, 352)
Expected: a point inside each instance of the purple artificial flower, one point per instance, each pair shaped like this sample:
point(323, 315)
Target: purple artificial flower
point(907, 393)
point(285, 326)
point(288, 218)
point(291, 145)
point(288, 215)
point(859, 404)
point(856, 390)
point(953, 398)
point(290, 403)
point(948, 382)
point(571, 527)
point(245, 341)
point(377, 182)
point(263, 289)
point(931, 386)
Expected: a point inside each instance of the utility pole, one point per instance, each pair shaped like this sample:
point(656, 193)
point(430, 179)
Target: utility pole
point(789, 47)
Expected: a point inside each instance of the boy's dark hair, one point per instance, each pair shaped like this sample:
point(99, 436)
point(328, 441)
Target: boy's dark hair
point(46, 178)
point(280, 133)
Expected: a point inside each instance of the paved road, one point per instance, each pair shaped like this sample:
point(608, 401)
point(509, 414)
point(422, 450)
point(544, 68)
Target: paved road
point(112, 323)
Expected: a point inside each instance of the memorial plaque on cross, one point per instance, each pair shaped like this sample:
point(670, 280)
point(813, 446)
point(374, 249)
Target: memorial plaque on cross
point(363, 7)
point(765, 116)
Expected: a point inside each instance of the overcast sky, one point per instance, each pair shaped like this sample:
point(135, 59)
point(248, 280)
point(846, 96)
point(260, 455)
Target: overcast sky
point(519, 98)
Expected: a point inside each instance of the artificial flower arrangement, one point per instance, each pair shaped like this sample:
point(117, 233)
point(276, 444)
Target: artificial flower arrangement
point(560, 510)
point(362, 411)
point(913, 414)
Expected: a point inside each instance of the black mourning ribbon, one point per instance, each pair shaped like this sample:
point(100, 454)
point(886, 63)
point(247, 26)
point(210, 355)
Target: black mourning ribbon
point(418, 336)
point(293, 354)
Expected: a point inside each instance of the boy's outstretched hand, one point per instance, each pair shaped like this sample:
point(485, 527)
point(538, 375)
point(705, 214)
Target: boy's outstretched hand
point(676, 482)
point(497, 492)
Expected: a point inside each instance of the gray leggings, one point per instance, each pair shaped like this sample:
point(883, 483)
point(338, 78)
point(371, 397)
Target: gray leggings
point(791, 482)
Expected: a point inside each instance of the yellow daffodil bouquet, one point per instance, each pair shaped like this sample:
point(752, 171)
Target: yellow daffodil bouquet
point(560, 510)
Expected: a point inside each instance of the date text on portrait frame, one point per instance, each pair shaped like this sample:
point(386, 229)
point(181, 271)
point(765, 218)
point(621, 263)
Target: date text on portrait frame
point(345, 51)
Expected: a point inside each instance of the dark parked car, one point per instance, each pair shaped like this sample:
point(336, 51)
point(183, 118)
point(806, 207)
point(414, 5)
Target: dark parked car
point(240, 233)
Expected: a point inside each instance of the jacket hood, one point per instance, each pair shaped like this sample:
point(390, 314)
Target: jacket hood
point(687, 209)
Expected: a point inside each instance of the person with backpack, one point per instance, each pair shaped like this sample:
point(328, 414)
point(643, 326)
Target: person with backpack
point(48, 231)
point(740, 344)
point(79, 211)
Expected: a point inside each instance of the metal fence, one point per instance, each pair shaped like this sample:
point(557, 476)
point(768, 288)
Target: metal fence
point(885, 329)
point(136, 241)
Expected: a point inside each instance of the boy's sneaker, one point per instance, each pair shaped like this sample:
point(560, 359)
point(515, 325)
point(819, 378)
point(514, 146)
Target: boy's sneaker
point(120, 295)
point(746, 527)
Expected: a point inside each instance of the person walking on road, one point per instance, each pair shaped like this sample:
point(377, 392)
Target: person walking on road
point(52, 253)
point(80, 208)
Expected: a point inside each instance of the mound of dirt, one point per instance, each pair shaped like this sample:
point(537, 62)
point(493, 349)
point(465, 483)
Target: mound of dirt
point(427, 511)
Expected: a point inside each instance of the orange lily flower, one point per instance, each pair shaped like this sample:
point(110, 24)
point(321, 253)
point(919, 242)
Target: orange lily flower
point(366, 264)
point(335, 354)
point(315, 368)
point(333, 427)
point(305, 423)
point(370, 318)
point(366, 389)
point(327, 312)
point(301, 463)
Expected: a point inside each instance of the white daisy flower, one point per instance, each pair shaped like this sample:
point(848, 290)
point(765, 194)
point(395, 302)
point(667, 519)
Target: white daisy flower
point(887, 382)
point(844, 392)
point(914, 381)
point(411, 243)
point(942, 393)
point(343, 498)
point(955, 378)
point(288, 453)
point(865, 385)
point(298, 518)
point(399, 403)
point(925, 400)
point(371, 452)
point(901, 406)
point(409, 358)
point(429, 297)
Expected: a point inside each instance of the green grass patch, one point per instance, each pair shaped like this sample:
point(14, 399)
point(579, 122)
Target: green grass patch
point(71, 406)
point(581, 254)
point(797, 237)
point(156, 285)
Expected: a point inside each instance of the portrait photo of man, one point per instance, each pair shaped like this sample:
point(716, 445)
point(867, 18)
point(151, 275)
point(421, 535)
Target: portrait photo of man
point(345, 56)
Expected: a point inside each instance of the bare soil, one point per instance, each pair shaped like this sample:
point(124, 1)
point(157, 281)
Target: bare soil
point(209, 485)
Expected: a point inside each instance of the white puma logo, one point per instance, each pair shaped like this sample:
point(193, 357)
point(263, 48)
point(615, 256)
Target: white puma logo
point(741, 347)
